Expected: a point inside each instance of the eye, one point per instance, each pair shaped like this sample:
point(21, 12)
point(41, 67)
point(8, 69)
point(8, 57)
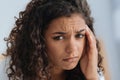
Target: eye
point(58, 37)
point(79, 35)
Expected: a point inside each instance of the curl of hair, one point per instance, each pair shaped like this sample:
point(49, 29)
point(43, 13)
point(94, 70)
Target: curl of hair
point(26, 43)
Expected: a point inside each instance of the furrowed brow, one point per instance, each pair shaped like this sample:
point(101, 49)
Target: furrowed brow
point(80, 31)
point(59, 33)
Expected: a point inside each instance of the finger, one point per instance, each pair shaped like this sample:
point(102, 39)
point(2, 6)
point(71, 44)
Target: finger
point(92, 50)
point(90, 37)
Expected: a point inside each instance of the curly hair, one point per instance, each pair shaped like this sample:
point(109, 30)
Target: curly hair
point(26, 43)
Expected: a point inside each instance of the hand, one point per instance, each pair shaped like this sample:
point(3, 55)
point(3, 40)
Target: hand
point(88, 61)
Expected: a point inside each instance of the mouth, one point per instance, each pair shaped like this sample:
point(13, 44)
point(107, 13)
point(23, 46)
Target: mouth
point(71, 59)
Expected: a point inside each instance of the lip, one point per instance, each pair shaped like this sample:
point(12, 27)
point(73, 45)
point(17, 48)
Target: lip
point(70, 59)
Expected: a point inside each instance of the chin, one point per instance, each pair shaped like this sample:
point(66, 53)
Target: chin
point(70, 67)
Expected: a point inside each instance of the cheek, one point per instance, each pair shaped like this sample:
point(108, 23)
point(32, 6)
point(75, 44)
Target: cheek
point(81, 46)
point(54, 50)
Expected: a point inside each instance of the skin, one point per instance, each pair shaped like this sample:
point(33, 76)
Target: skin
point(65, 43)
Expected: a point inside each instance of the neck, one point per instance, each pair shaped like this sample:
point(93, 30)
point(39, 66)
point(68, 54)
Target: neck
point(57, 74)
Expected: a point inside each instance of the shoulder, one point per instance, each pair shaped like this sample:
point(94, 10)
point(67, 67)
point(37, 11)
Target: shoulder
point(2, 60)
point(1, 57)
point(3, 66)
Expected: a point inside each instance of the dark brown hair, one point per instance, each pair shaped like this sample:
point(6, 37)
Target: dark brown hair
point(26, 44)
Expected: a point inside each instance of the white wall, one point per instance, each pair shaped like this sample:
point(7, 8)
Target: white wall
point(116, 18)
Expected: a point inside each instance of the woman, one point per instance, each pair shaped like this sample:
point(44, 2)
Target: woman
point(54, 40)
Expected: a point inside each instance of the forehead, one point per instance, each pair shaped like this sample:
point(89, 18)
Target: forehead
point(73, 23)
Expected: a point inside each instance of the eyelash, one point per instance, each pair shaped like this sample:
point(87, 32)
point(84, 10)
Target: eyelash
point(62, 37)
point(79, 35)
point(57, 38)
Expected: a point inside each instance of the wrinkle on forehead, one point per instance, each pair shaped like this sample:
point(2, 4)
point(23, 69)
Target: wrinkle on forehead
point(68, 24)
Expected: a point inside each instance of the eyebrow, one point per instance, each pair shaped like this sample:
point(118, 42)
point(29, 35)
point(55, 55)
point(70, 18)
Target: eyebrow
point(80, 31)
point(65, 32)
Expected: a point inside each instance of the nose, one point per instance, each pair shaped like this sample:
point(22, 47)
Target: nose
point(71, 46)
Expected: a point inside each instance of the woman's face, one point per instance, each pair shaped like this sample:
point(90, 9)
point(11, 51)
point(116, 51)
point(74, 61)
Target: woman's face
point(65, 40)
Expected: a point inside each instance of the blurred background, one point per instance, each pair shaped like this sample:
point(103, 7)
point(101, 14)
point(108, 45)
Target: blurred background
point(106, 15)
